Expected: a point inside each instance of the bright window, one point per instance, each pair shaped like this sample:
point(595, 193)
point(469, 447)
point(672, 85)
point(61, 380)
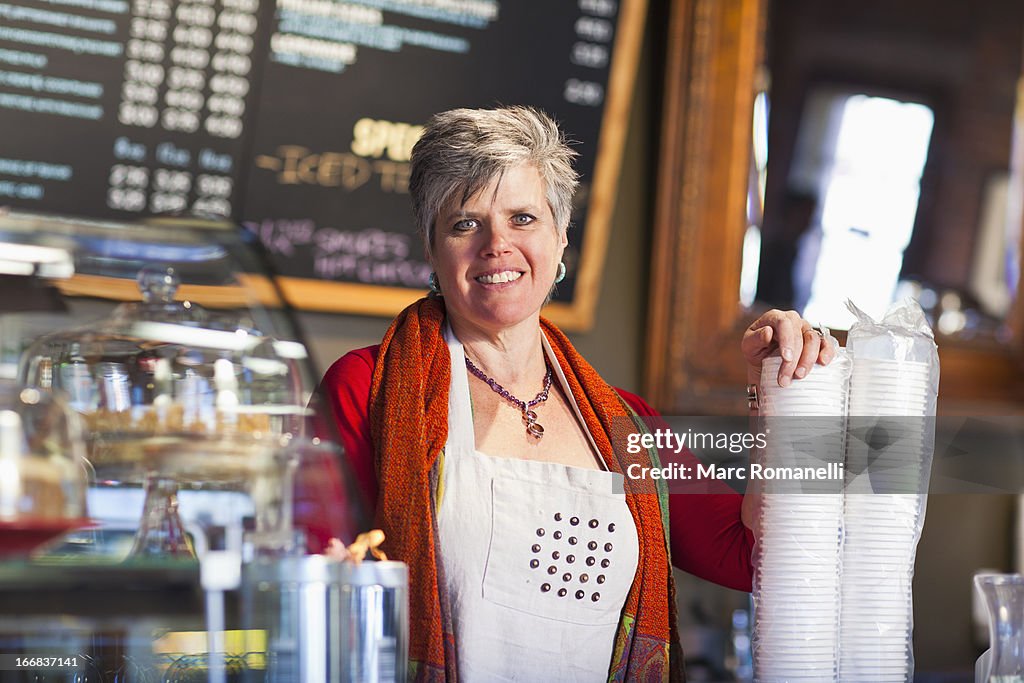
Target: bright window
point(870, 193)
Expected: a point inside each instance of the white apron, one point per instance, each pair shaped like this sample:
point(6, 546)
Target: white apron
point(537, 557)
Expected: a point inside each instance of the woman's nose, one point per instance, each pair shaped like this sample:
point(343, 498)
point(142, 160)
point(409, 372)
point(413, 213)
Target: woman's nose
point(496, 241)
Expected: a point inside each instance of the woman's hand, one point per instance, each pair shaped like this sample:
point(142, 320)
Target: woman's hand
point(790, 336)
point(336, 550)
point(369, 542)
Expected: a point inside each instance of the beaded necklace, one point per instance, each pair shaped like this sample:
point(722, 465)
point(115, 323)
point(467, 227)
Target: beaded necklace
point(529, 415)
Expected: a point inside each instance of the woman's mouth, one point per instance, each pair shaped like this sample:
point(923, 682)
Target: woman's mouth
point(500, 277)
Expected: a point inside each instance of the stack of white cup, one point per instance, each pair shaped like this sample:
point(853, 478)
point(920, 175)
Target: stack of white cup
point(797, 568)
point(888, 451)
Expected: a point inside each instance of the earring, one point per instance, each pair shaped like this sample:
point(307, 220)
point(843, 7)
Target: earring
point(433, 283)
point(561, 272)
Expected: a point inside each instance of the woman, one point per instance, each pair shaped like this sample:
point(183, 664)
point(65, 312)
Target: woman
point(484, 441)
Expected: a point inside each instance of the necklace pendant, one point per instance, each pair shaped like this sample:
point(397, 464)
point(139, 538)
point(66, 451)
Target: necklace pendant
point(529, 415)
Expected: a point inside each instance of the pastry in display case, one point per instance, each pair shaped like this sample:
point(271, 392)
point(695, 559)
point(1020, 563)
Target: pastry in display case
point(184, 363)
point(173, 393)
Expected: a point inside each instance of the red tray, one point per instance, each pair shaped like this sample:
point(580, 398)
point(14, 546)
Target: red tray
point(22, 536)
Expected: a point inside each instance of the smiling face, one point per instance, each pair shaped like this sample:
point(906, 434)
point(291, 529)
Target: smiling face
point(496, 256)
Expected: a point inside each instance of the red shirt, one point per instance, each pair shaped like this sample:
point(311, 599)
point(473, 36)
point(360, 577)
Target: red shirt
point(708, 538)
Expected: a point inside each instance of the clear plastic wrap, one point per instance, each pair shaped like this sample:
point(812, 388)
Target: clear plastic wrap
point(834, 557)
point(891, 428)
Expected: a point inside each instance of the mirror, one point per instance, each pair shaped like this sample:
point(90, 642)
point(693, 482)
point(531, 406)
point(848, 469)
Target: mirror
point(834, 89)
point(889, 143)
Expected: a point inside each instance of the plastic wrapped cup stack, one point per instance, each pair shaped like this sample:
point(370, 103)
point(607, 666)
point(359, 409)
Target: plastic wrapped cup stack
point(888, 453)
point(797, 561)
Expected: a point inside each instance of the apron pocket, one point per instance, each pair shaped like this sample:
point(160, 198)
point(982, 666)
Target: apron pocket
point(564, 554)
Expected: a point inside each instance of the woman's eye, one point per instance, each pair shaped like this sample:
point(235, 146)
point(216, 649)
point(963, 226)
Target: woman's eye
point(465, 224)
point(522, 219)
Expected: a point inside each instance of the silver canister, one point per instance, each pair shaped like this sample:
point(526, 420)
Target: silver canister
point(328, 621)
point(375, 622)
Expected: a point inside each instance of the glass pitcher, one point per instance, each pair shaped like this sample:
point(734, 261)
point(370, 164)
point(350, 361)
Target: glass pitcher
point(1004, 596)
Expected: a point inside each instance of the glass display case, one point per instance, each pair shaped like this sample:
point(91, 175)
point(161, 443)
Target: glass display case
point(155, 377)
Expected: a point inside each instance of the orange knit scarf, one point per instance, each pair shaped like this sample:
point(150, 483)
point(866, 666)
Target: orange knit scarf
point(409, 427)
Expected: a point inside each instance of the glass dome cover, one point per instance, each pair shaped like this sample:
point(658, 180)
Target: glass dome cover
point(193, 372)
point(159, 379)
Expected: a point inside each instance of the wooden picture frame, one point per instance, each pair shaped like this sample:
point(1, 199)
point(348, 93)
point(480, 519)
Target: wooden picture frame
point(695, 320)
point(693, 363)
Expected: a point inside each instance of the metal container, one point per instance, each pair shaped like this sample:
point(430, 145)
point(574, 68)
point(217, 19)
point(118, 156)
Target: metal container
point(328, 621)
point(375, 622)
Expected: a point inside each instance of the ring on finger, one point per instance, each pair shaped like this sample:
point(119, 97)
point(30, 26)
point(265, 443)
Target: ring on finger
point(823, 331)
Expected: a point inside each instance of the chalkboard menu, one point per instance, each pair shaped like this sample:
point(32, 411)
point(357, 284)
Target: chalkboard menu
point(114, 108)
point(297, 119)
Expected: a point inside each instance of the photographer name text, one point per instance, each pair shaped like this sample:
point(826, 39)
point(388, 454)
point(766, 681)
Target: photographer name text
point(833, 471)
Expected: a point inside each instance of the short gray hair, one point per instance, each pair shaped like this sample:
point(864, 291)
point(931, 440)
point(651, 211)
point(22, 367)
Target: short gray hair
point(462, 150)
